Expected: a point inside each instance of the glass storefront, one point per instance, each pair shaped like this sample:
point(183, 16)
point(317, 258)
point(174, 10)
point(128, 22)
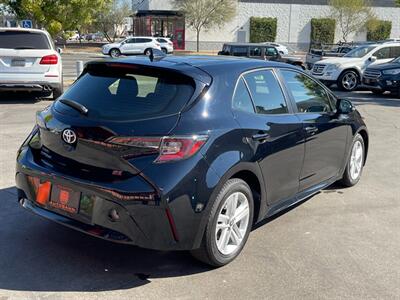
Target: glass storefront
point(169, 24)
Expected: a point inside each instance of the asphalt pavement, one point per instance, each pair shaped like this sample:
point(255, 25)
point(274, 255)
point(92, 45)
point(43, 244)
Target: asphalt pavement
point(339, 244)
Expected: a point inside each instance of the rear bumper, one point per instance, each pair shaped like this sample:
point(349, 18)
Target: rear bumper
point(29, 87)
point(168, 222)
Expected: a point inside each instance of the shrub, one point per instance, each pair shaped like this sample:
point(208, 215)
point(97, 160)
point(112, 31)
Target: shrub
point(263, 29)
point(323, 30)
point(378, 30)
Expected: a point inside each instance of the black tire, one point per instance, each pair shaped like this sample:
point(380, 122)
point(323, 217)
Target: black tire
point(377, 92)
point(57, 92)
point(347, 179)
point(208, 251)
point(342, 86)
point(147, 52)
point(164, 50)
point(114, 52)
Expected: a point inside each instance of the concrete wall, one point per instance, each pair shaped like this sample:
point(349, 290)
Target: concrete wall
point(294, 22)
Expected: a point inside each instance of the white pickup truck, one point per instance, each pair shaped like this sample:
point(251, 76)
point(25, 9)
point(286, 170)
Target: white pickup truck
point(347, 71)
point(29, 62)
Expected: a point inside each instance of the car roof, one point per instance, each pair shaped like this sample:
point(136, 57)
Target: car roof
point(200, 67)
point(249, 44)
point(22, 29)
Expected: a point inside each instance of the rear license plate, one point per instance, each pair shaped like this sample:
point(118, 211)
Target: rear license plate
point(65, 199)
point(18, 63)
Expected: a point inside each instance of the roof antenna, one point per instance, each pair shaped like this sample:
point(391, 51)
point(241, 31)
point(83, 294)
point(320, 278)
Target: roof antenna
point(156, 55)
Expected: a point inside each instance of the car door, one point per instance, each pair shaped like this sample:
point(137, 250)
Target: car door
point(326, 132)
point(128, 46)
point(272, 131)
point(271, 53)
point(255, 52)
point(382, 55)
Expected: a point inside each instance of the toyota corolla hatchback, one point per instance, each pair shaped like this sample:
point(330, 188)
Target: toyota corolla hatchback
point(186, 153)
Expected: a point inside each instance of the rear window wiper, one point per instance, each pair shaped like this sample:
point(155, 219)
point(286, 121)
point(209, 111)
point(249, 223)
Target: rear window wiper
point(79, 107)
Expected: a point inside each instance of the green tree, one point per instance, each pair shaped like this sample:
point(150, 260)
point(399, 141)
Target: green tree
point(58, 15)
point(351, 15)
point(110, 20)
point(205, 14)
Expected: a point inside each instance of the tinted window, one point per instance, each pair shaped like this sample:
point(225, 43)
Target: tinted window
point(270, 51)
point(395, 51)
point(255, 51)
point(162, 41)
point(145, 40)
point(241, 98)
point(117, 94)
point(239, 51)
point(23, 40)
point(308, 94)
point(383, 53)
point(360, 51)
point(266, 92)
point(130, 41)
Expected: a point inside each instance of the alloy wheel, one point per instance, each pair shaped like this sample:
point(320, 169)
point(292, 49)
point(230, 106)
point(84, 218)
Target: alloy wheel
point(233, 221)
point(114, 53)
point(356, 160)
point(349, 81)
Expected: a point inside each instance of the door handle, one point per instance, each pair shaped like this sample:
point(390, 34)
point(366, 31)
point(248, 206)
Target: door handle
point(311, 130)
point(261, 137)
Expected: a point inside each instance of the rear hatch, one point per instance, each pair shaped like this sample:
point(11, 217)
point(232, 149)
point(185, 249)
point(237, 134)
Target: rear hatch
point(119, 114)
point(23, 51)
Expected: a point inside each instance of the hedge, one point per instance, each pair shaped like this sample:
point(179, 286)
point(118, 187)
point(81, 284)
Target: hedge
point(378, 30)
point(263, 29)
point(323, 30)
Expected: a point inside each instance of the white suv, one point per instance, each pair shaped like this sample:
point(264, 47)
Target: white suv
point(131, 45)
point(29, 61)
point(347, 71)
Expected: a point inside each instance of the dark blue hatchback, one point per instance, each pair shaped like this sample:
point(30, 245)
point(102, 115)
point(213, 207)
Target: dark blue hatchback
point(186, 153)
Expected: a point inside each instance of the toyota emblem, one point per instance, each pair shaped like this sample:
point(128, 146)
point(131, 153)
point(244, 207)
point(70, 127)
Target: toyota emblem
point(69, 136)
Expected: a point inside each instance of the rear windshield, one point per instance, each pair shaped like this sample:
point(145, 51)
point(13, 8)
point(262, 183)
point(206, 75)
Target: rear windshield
point(123, 94)
point(23, 40)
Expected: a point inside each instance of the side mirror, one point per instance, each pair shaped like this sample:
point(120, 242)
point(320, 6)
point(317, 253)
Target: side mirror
point(59, 50)
point(373, 59)
point(344, 106)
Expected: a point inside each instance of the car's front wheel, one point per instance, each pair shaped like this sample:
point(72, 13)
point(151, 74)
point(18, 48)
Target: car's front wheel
point(355, 163)
point(115, 53)
point(229, 224)
point(348, 81)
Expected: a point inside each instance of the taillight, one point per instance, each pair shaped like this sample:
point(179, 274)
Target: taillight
point(170, 43)
point(158, 44)
point(49, 60)
point(167, 148)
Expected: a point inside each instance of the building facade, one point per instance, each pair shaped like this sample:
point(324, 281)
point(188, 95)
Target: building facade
point(159, 17)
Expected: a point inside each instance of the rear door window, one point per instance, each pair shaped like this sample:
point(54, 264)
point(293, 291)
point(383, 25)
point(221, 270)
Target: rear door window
point(255, 51)
point(241, 99)
point(239, 51)
point(266, 92)
point(118, 94)
point(23, 40)
point(395, 52)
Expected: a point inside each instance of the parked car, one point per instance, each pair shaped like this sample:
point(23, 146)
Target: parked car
point(383, 77)
point(131, 45)
point(166, 44)
point(347, 71)
point(187, 153)
point(259, 51)
point(320, 51)
point(29, 62)
point(282, 49)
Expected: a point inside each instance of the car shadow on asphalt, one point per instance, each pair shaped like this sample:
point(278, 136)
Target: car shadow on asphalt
point(39, 255)
point(22, 98)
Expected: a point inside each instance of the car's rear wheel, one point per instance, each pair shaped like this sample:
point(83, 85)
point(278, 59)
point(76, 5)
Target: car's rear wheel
point(115, 52)
point(355, 163)
point(228, 226)
point(147, 52)
point(164, 50)
point(348, 81)
point(377, 92)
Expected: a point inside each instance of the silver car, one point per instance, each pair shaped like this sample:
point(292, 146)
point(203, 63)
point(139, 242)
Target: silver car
point(131, 45)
